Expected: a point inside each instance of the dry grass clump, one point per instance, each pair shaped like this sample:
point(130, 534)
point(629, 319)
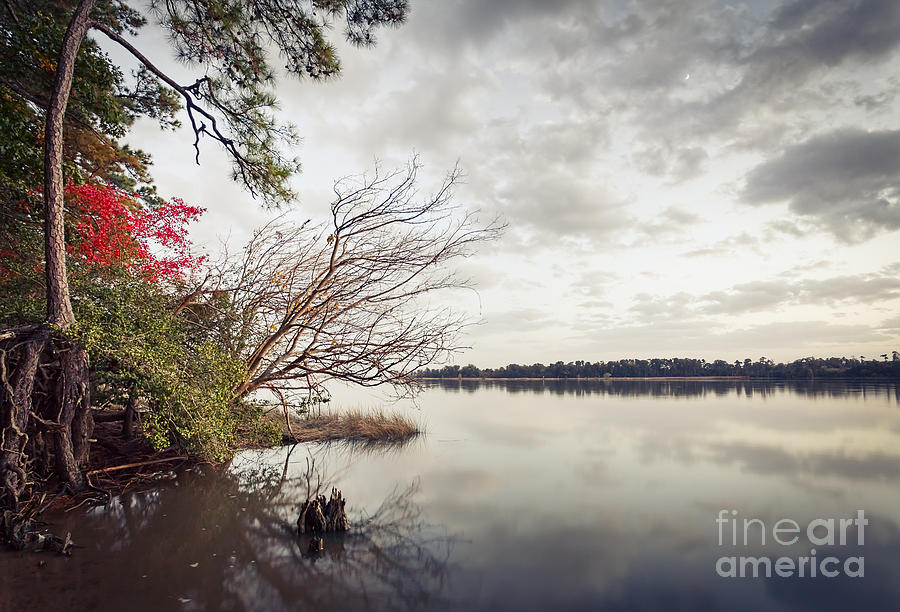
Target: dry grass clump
point(355, 425)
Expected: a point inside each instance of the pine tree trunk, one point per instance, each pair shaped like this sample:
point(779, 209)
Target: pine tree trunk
point(65, 409)
point(71, 410)
point(44, 376)
point(59, 306)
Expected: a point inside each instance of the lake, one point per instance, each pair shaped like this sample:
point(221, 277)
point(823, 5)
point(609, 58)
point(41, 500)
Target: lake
point(524, 496)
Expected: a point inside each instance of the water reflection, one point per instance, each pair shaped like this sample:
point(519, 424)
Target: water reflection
point(227, 541)
point(673, 388)
point(555, 495)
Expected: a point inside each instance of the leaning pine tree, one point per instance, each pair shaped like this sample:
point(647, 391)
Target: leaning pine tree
point(45, 411)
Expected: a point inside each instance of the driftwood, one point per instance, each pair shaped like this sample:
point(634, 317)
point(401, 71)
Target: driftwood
point(128, 466)
point(320, 516)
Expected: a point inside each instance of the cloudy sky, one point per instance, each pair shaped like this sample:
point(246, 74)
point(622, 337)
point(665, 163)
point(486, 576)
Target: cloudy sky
point(680, 178)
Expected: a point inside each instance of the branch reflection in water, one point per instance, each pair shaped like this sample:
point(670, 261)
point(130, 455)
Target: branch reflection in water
point(228, 541)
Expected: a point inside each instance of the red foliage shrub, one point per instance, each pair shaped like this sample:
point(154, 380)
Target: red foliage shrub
point(112, 228)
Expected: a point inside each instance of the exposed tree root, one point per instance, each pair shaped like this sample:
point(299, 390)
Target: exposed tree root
point(46, 424)
point(44, 413)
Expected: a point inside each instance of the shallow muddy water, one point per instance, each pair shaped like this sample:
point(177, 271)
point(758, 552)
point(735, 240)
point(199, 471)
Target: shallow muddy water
point(522, 496)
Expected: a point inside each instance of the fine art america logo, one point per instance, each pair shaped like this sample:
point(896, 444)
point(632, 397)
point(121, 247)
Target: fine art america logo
point(830, 532)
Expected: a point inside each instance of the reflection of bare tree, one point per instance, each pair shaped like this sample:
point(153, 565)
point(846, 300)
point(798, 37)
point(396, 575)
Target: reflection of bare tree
point(390, 559)
point(228, 541)
point(380, 560)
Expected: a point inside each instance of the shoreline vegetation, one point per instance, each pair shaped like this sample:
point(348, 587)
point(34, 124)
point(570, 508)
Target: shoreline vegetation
point(126, 462)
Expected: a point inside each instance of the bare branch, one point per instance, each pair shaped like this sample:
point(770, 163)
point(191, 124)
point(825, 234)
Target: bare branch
point(351, 300)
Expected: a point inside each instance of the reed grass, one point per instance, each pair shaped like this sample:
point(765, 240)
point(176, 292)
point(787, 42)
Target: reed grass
point(356, 426)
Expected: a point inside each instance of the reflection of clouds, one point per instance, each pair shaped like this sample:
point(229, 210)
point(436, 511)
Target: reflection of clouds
point(789, 431)
point(570, 565)
point(594, 473)
point(654, 448)
point(517, 437)
point(605, 563)
point(465, 481)
point(768, 459)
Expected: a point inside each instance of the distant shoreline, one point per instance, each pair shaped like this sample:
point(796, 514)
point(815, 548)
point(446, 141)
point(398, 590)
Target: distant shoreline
point(601, 378)
point(669, 378)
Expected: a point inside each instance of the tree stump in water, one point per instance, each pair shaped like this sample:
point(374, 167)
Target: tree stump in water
point(311, 519)
point(320, 516)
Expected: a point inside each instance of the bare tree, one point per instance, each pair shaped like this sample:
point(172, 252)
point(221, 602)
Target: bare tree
point(349, 299)
point(232, 102)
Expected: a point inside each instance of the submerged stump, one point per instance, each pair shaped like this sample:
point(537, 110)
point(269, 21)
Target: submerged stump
point(318, 515)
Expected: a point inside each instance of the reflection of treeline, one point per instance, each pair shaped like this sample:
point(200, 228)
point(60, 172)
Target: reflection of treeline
point(888, 366)
point(673, 388)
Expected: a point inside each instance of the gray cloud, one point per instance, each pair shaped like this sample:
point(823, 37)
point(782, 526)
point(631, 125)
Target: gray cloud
point(832, 31)
point(679, 216)
point(671, 223)
point(515, 320)
point(877, 101)
point(676, 163)
point(474, 25)
point(768, 295)
point(649, 308)
point(775, 64)
point(891, 325)
point(799, 335)
point(594, 283)
point(848, 180)
point(622, 66)
point(685, 321)
point(725, 246)
point(557, 205)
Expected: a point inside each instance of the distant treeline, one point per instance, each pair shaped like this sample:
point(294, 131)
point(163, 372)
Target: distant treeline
point(887, 366)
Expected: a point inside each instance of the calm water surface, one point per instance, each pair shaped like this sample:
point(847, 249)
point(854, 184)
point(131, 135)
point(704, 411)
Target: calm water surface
point(522, 496)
